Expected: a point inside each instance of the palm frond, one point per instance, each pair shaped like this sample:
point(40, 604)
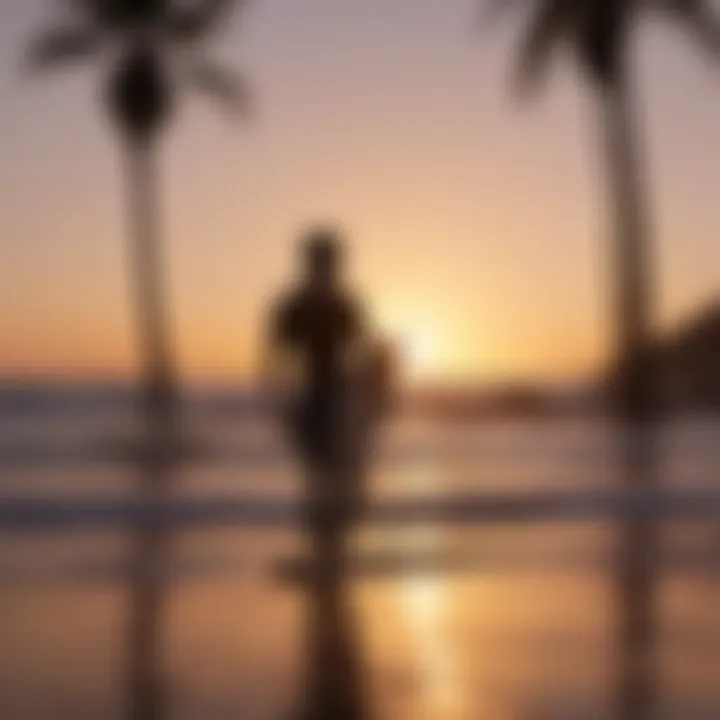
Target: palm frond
point(62, 46)
point(190, 24)
point(87, 9)
point(224, 85)
point(120, 15)
point(601, 35)
point(701, 17)
point(597, 31)
point(547, 26)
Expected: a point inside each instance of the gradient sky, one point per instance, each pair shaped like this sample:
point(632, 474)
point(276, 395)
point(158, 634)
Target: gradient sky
point(477, 222)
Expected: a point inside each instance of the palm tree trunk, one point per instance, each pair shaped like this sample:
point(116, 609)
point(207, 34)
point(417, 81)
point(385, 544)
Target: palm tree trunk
point(144, 631)
point(159, 382)
point(159, 404)
point(635, 408)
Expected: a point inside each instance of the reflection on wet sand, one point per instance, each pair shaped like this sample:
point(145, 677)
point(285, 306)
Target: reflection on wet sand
point(440, 693)
point(426, 606)
point(509, 643)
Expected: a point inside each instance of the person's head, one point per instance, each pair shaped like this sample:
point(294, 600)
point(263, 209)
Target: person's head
point(322, 256)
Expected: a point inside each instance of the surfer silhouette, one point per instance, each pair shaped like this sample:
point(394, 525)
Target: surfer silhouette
point(333, 387)
point(334, 380)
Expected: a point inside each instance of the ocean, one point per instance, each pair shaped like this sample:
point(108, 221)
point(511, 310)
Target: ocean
point(522, 628)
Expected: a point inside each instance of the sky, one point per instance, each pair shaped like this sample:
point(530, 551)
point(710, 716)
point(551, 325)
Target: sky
point(476, 221)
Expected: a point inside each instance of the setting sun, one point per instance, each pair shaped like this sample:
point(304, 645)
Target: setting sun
point(417, 341)
point(420, 351)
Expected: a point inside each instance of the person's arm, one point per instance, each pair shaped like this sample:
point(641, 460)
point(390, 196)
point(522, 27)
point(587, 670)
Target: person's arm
point(356, 333)
point(276, 362)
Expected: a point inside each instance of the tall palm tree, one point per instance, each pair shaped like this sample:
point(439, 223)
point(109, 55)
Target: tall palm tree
point(146, 46)
point(600, 34)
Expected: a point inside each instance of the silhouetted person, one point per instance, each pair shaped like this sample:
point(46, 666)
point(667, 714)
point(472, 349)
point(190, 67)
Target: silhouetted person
point(317, 338)
point(315, 331)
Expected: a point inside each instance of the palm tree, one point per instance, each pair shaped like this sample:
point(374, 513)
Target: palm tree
point(600, 33)
point(144, 44)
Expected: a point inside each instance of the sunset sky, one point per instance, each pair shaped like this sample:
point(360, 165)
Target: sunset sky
point(476, 222)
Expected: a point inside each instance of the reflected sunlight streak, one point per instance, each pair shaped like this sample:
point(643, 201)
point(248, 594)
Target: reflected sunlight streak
point(440, 692)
